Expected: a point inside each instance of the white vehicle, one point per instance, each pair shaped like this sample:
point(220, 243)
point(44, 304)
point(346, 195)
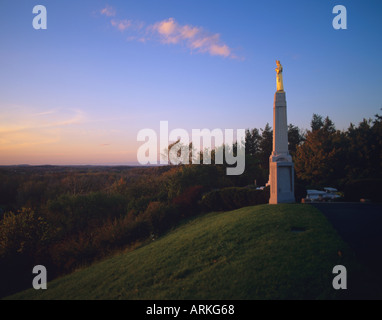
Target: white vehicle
point(331, 193)
point(315, 194)
point(327, 194)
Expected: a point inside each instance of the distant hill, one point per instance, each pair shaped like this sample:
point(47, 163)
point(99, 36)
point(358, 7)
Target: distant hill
point(263, 252)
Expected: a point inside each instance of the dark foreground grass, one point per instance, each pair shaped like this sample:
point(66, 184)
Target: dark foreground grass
point(250, 253)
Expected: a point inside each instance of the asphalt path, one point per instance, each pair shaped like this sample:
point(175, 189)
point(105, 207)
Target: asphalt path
point(360, 226)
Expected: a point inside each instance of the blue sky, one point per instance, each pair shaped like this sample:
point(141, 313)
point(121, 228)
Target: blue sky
point(79, 92)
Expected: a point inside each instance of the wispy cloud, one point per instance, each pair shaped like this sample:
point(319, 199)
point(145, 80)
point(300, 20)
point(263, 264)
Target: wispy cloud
point(44, 113)
point(169, 31)
point(121, 25)
point(108, 11)
point(194, 38)
point(40, 120)
point(19, 128)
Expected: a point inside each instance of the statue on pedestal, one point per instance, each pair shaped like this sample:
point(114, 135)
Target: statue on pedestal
point(281, 168)
point(279, 71)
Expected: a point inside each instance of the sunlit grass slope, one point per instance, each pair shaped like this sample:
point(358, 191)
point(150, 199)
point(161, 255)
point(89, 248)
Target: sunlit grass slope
point(250, 253)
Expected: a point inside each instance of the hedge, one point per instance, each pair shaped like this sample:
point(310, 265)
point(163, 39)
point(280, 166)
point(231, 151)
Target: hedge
point(364, 189)
point(233, 198)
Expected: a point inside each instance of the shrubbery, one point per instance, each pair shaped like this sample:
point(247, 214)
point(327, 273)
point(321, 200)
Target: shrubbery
point(299, 191)
point(233, 198)
point(24, 237)
point(364, 189)
point(22, 233)
point(73, 213)
point(187, 202)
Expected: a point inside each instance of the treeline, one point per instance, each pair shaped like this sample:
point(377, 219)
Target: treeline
point(349, 160)
point(68, 217)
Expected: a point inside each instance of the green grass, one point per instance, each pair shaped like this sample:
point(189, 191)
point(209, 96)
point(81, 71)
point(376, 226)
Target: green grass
point(249, 253)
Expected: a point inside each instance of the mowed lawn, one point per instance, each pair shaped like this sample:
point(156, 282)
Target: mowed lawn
point(250, 253)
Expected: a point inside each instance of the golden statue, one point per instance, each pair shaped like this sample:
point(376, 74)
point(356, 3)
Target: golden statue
point(279, 77)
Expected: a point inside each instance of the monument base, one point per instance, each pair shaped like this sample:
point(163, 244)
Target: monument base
point(282, 182)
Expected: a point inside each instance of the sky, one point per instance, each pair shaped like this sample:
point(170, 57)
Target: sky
point(79, 91)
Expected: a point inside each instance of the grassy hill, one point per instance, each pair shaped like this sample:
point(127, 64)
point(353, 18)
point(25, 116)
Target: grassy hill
point(251, 253)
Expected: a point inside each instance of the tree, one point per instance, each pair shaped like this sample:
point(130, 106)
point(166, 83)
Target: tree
point(364, 150)
point(328, 125)
point(316, 123)
point(22, 233)
point(252, 142)
point(266, 146)
point(319, 160)
point(178, 153)
point(254, 173)
point(295, 138)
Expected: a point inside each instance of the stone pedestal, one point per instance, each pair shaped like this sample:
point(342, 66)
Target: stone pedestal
point(281, 168)
point(282, 182)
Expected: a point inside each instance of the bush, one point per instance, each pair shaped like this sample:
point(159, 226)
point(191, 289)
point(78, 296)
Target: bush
point(160, 216)
point(83, 248)
point(259, 196)
point(299, 192)
point(233, 198)
point(23, 239)
point(363, 189)
point(120, 232)
point(74, 213)
point(72, 252)
point(22, 233)
point(212, 201)
point(187, 201)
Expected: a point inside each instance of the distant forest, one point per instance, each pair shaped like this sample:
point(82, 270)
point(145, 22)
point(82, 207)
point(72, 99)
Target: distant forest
point(68, 217)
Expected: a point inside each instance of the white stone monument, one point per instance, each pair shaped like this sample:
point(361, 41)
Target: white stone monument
point(281, 168)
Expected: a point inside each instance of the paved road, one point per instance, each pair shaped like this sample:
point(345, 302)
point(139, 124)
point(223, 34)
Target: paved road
point(360, 225)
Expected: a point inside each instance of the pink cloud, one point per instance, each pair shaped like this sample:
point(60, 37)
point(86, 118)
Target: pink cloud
point(121, 25)
point(166, 27)
point(108, 11)
point(219, 50)
point(169, 31)
point(195, 38)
